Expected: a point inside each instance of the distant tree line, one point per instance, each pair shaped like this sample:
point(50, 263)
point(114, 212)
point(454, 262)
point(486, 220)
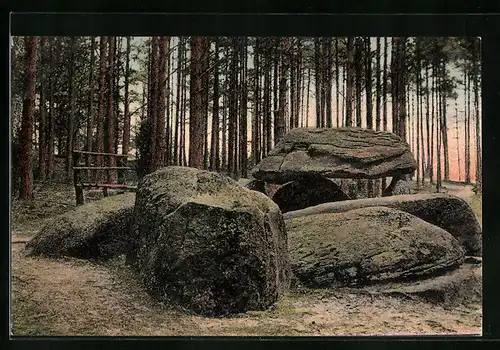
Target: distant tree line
point(222, 103)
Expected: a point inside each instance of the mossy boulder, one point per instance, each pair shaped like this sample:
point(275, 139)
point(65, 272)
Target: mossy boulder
point(335, 153)
point(448, 212)
point(367, 245)
point(96, 230)
point(302, 194)
point(207, 243)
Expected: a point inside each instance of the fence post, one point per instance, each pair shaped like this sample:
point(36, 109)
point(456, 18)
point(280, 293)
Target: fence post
point(76, 180)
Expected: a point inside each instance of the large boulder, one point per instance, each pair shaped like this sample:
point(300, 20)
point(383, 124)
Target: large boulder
point(301, 194)
point(451, 213)
point(362, 246)
point(96, 230)
point(207, 243)
point(336, 153)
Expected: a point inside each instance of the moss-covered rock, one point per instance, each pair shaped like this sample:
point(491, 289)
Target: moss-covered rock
point(208, 243)
point(368, 245)
point(96, 230)
point(451, 213)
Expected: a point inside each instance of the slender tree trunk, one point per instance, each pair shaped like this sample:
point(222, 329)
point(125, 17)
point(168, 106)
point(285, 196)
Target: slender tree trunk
point(438, 133)
point(457, 138)
point(394, 84)
point(198, 47)
point(350, 77)
point(421, 118)
point(42, 128)
point(25, 184)
point(169, 116)
point(444, 129)
point(184, 158)
point(111, 112)
point(433, 118)
point(337, 64)
point(384, 89)
point(51, 120)
point(116, 92)
point(71, 117)
point(318, 80)
point(479, 165)
point(467, 128)
point(159, 160)
point(266, 121)
point(126, 112)
point(102, 105)
point(377, 82)
point(178, 103)
point(275, 100)
point(368, 84)
point(329, 63)
point(285, 47)
point(243, 111)
point(224, 164)
point(358, 59)
point(427, 121)
point(233, 111)
point(90, 110)
point(256, 103)
point(214, 142)
point(307, 98)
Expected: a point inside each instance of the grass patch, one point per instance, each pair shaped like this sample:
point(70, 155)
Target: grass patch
point(476, 203)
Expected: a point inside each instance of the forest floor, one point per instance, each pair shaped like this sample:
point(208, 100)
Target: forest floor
point(73, 297)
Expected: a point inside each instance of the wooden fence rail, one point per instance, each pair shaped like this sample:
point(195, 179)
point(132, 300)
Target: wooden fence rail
point(80, 185)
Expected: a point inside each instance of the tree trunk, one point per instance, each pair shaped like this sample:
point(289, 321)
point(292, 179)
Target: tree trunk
point(233, 111)
point(368, 84)
point(214, 142)
point(337, 72)
point(178, 103)
point(275, 100)
point(159, 159)
point(467, 127)
point(377, 82)
point(369, 106)
point(427, 121)
point(243, 110)
point(329, 63)
point(90, 110)
point(280, 122)
point(71, 117)
point(318, 80)
point(111, 112)
point(126, 113)
point(349, 87)
point(51, 120)
point(25, 184)
point(102, 102)
point(198, 48)
point(444, 129)
point(169, 104)
point(256, 104)
point(479, 165)
point(307, 98)
point(42, 127)
point(358, 60)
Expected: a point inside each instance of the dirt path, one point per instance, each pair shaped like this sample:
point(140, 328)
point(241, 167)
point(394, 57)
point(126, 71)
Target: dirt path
point(77, 297)
point(459, 190)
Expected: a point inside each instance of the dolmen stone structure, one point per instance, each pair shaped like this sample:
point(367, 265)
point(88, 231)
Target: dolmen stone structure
point(309, 154)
